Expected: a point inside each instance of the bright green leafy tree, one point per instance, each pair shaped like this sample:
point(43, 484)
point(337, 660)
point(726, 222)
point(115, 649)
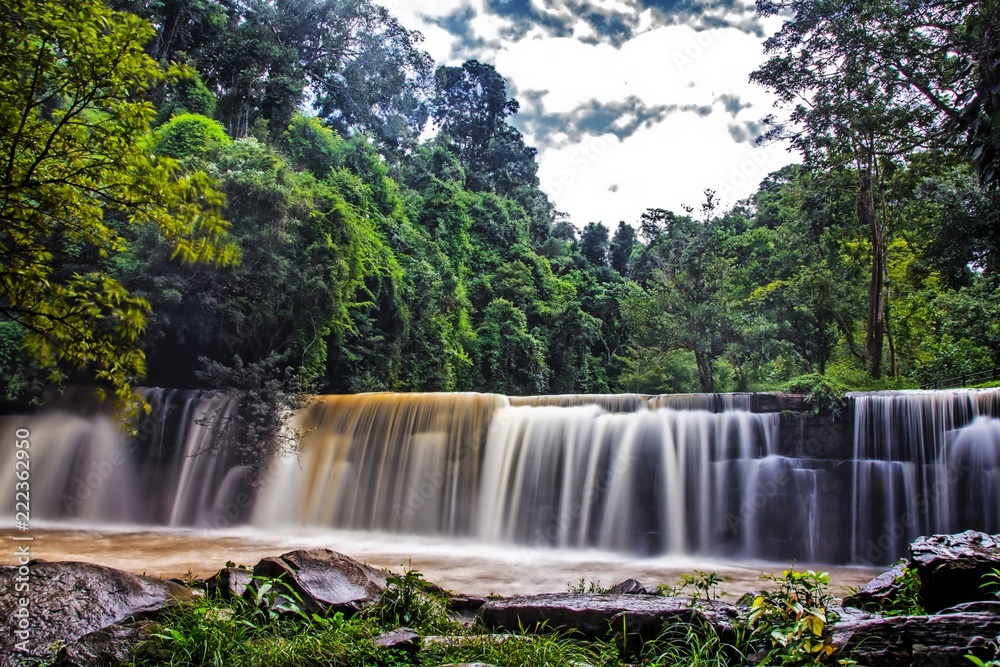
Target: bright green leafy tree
point(77, 166)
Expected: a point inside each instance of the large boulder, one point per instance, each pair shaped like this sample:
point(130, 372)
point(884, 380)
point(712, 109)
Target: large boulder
point(637, 618)
point(319, 581)
point(66, 601)
point(951, 567)
point(906, 641)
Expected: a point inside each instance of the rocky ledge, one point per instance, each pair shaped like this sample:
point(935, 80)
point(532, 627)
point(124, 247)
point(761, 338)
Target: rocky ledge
point(94, 615)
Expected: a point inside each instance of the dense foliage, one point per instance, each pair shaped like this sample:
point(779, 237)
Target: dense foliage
point(374, 259)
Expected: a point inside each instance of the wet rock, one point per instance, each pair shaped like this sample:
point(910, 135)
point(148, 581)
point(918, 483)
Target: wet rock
point(879, 590)
point(905, 641)
point(985, 606)
point(635, 627)
point(951, 567)
point(405, 639)
point(465, 604)
point(319, 581)
point(850, 613)
point(636, 617)
point(67, 601)
point(229, 582)
point(109, 646)
point(628, 587)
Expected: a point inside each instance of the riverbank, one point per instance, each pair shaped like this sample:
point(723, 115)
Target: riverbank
point(466, 567)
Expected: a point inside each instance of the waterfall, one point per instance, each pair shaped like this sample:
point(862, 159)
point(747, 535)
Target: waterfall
point(612, 472)
point(169, 474)
point(686, 474)
point(924, 462)
point(405, 463)
point(650, 481)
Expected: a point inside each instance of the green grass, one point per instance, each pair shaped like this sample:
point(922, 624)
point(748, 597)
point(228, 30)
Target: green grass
point(243, 633)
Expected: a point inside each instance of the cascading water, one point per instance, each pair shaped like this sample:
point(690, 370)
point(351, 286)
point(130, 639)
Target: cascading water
point(690, 474)
point(170, 474)
point(613, 472)
point(407, 463)
point(653, 481)
point(924, 462)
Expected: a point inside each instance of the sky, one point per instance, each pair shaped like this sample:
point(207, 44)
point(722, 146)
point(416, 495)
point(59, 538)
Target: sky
point(631, 104)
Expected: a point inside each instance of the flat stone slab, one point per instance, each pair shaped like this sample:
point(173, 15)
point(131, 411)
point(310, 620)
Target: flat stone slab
point(592, 615)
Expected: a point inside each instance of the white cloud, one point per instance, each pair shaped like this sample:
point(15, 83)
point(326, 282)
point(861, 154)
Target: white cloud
point(667, 165)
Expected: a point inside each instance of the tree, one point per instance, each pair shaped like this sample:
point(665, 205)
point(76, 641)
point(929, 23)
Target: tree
point(949, 53)
point(594, 243)
point(510, 359)
point(687, 304)
point(622, 244)
point(847, 109)
point(77, 167)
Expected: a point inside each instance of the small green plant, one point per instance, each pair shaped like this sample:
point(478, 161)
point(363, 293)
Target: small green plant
point(704, 585)
point(991, 580)
point(979, 663)
point(791, 623)
point(583, 586)
point(908, 600)
point(409, 600)
point(699, 586)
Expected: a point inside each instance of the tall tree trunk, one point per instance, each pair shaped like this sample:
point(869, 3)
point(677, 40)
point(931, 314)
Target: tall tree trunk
point(875, 331)
point(704, 371)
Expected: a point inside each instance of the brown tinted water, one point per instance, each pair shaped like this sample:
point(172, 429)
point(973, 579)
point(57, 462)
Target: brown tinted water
point(473, 569)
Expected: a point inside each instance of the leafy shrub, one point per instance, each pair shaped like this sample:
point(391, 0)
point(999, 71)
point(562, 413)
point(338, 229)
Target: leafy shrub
point(790, 625)
point(908, 602)
point(190, 136)
point(822, 392)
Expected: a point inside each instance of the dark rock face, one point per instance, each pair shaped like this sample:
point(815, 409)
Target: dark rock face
point(229, 582)
point(640, 617)
point(951, 567)
point(882, 588)
point(905, 641)
point(321, 581)
point(67, 601)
